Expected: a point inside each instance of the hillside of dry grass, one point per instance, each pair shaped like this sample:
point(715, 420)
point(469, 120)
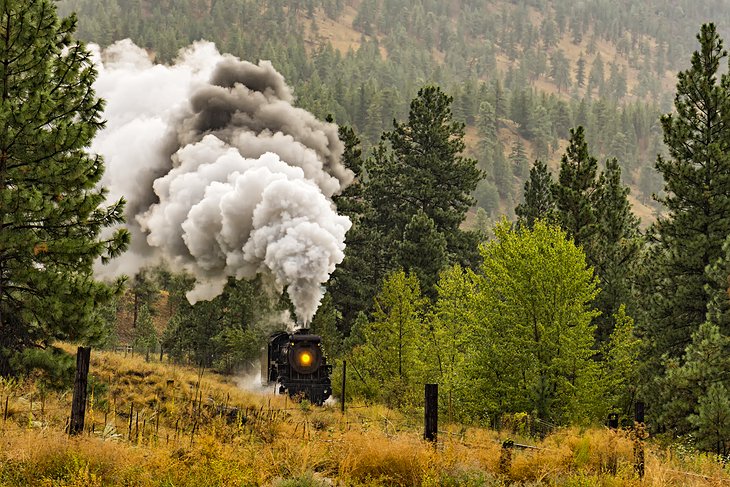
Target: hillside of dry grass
point(193, 428)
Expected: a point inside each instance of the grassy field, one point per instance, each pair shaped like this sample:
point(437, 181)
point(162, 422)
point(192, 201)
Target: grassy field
point(188, 430)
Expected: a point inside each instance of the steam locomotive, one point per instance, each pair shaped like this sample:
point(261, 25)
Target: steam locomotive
point(296, 362)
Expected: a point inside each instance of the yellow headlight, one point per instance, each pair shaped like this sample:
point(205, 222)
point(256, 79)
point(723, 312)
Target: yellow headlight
point(305, 359)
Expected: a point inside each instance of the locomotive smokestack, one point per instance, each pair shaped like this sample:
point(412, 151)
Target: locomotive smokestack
point(224, 177)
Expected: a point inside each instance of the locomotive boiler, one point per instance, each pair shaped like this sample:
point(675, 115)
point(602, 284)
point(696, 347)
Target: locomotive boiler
point(297, 364)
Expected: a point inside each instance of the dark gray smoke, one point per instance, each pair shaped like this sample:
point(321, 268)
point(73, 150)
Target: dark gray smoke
point(224, 176)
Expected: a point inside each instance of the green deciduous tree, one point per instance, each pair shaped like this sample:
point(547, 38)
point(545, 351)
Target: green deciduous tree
point(532, 326)
point(389, 358)
point(51, 211)
point(620, 366)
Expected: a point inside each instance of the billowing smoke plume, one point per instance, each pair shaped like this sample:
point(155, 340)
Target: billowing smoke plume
point(222, 174)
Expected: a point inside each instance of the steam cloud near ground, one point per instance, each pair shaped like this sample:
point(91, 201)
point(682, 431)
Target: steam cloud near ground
point(223, 176)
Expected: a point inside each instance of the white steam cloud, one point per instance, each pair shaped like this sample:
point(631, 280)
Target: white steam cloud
point(222, 174)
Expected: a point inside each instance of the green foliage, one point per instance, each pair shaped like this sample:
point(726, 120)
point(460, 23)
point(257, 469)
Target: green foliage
point(517, 336)
point(536, 335)
point(51, 210)
point(616, 253)
point(145, 335)
point(325, 323)
point(423, 251)
point(696, 221)
point(695, 392)
point(51, 366)
point(620, 366)
point(713, 419)
point(226, 332)
point(539, 202)
point(422, 171)
point(449, 342)
point(574, 191)
point(389, 359)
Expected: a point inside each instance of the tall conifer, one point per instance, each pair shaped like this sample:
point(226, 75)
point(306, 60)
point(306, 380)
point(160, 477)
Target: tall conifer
point(696, 221)
point(51, 210)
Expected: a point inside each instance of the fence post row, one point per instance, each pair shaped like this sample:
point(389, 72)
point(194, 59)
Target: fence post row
point(431, 413)
point(78, 404)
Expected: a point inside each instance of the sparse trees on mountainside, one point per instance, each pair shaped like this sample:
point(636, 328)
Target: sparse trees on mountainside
point(51, 212)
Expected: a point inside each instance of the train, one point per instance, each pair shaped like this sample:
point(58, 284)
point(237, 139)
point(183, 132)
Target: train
point(297, 364)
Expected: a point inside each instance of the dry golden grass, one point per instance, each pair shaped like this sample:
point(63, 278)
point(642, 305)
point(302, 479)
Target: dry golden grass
point(178, 440)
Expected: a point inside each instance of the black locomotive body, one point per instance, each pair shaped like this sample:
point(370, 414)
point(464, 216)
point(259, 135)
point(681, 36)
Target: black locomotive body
point(296, 362)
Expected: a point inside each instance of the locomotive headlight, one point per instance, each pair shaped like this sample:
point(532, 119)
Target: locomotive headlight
point(305, 359)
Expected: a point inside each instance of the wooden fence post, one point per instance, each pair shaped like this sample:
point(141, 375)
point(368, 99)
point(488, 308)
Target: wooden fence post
point(639, 434)
point(344, 377)
point(431, 413)
point(78, 404)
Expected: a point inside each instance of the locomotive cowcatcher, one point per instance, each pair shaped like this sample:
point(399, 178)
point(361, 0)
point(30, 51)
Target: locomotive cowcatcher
point(296, 362)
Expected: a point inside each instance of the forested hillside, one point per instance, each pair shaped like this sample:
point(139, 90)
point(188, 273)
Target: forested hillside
point(235, 212)
point(521, 73)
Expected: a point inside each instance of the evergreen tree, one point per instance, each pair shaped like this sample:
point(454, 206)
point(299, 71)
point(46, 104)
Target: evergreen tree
point(560, 70)
point(145, 334)
point(538, 200)
point(356, 280)
point(690, 235)
point(575, 191)
point(422, 252)
point(580, 73)
point(689, 400)
point(518, 159)
point(422, 170)
point(597, 75)
point(718, 307)
point(615, 255)
point(51, 212)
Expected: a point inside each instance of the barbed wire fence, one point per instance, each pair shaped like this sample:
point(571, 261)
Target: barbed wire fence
point(154, 422)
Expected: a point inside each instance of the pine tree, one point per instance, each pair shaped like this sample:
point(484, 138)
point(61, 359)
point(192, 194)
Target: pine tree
point(580, 73)
point(696, 175)
point(422, 170)
point(616, 252)
point(718, 307)
point(356, 280)
point(51, 212)
point(574, 191)
point(539, 202)
point(518, 159)
point(422, 252)
point(705, 363)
